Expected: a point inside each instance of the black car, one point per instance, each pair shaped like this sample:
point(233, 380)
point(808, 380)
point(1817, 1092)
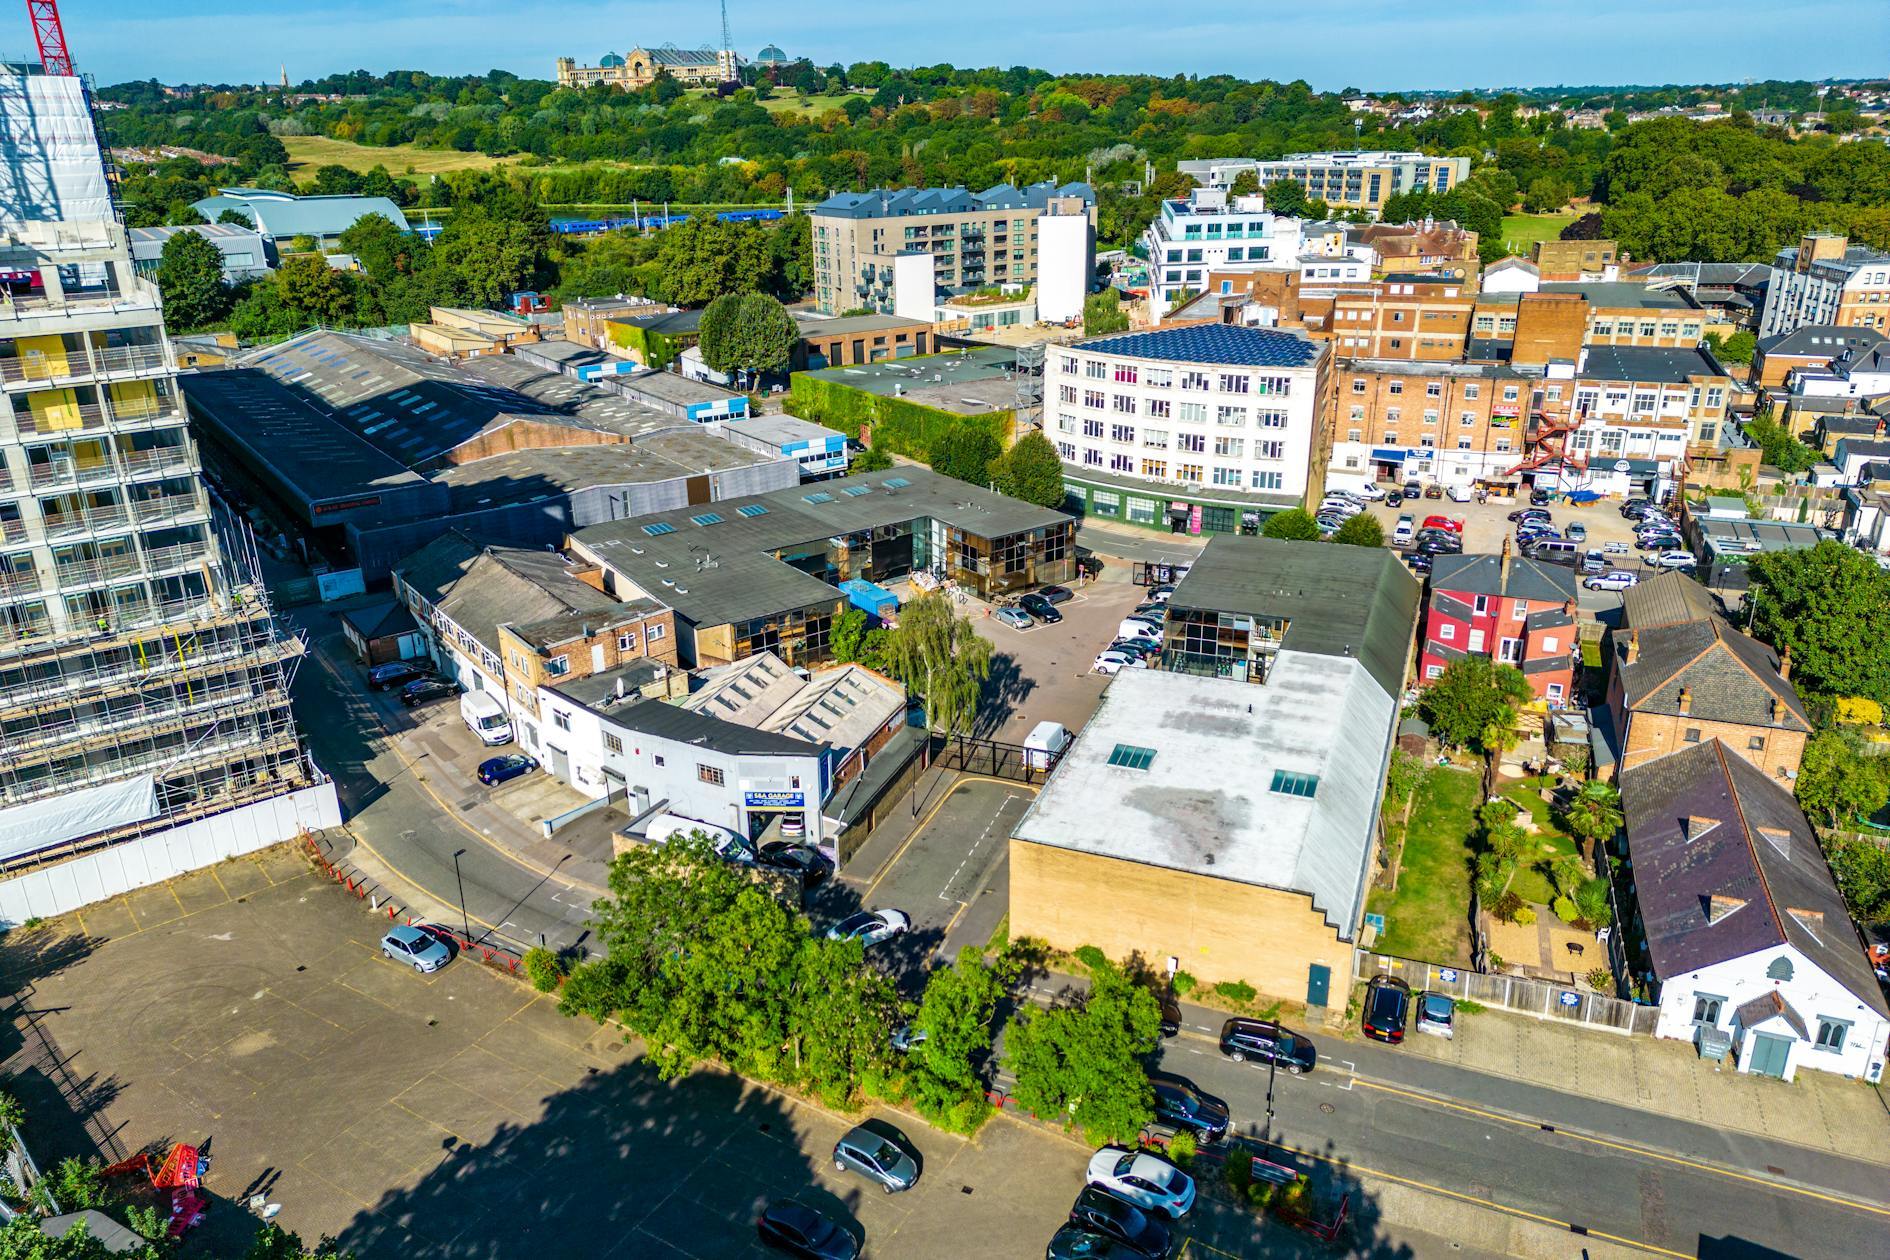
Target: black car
point(1439, 545)
point(1540, 497)
point(1263, 1041)
point(1100, 1212)
point(1057, 594)
point(1634, 508)
point(1529, 514)
point(421, 690)
point(1073, 1242)
point(1395, 499)
point(1412, 489)
point(801, 1231)
point(1180, 1105)
point(496, 770)
point(1387, 1007)
point(1040, 608)
point(1420, 562)
point(395, 674)
point(785, 855)
point(1139, 647)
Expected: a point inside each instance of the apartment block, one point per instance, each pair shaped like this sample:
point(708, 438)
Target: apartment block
point(1456, 424)
point(1364, 180)
point(1575, 260)
point(1825, 279)
point(143, 684)
point(1208, 234)
point(974, 241)
point(1637, 413)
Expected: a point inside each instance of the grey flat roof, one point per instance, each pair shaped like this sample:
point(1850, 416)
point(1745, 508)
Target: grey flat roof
point(1316, 715)
point(956, 370)
point(725, 570)
point(521, 476)
point(1619, 293)
point(780, 430)
point(662, 720)
point(1646, 364)
point(847, 325)
point(881, 202)
point(668, 386)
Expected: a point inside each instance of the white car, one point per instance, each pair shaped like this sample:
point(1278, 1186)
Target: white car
point(1136, 629)
point(1344, 507)
point(870, 927)
point(1371, 492)
point(1110, 662)
point(1405, 532)
point(1615, 580)
point(1146, 1180)
point(1676, 560)
point(1459, 494)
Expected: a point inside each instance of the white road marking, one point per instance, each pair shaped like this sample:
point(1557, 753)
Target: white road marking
point(982, 837)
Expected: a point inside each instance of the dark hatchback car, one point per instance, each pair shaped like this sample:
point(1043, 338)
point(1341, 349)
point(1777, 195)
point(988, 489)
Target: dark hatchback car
point(1263, 1041)
point(1057, 594)
point(424, 690)
point(395, 674)
point(801, 1231)
point(496, 770)
point(1100, 1212)
point(1040, 608)
point(1387, 1009)
point(785, 855)
point(1073, 1242)
point(1180, 1105)
point(1540, 497)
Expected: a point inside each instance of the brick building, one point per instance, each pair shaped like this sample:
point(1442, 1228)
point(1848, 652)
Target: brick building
point(1517, 611)
point(1453, 423)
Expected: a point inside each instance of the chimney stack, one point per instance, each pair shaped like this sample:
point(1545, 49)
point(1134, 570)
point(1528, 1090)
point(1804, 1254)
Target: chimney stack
point(1785, 662)
point(1633, 646)
point(1686, 700)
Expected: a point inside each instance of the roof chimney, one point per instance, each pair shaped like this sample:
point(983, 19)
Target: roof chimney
point(1633, 646)
point(1785, 662)
point(1686, 700)
point(1718, 907)
point(1503, 588)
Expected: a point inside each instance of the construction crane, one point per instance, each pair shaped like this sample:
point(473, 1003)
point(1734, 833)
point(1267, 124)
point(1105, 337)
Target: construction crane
point(51, 37)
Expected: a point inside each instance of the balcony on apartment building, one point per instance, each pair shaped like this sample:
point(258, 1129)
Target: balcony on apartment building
point(98, 461)
point(65, 358)
point(89, 408)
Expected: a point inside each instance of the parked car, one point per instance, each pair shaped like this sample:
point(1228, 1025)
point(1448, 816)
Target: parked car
point(1015, 618)
point(1040, 608)
point(1541, 496)
point(422, 690)
point(1110, 661)
point(396, 674)
point(1395, 499)
point(1613, 580)
point(496, 770)
point(1136, 647)
point(1435, 546)
point(1180, 1105)
point(1371, 491)
point(1160, 594)
point(907, 1036)
point(1554, 551)
point(1434, 491)
point(1057, 594)
point(1420, 562)
point(1073, 1242)
point(1144, 1179)
point(879, 1152)
point(1404, 531)
point(1151, 610)
point(1171, 1013)
point(1387, 1007)
point(1634, 507)
point(1412, 489)
point(1437, 1014)
point(1684, 560)
point(1340, 493)
point(1615, 548)
point(810, 864)
point(870, 927)
point(1340, 507)
point(1100, 1212)
point(1659, 542)
point(416, 947)
point(1529, 514)
point(1526, 534)
point(1594, 562)
point(1264, 1041)
point(1460, 494)
point(801, 1231)
point(1443, 522)
point(1145, 630)
point(1576, 532)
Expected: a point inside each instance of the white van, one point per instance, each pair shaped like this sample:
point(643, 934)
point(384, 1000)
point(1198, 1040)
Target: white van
point(1044, 744)
point(485, 717)
point(666, 827)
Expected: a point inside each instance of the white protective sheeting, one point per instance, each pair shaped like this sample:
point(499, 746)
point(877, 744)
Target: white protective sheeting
point(52, 169)
point(40, 825)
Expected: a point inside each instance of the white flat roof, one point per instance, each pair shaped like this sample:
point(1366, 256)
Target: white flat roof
point(1204, 802)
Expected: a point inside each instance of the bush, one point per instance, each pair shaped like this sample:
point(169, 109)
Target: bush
point(1090, 956)
point(1184, 983)
point(1565, 910)
point(1237, 991)
point(1181, 1149)
point(544, 968)
point(1525, 916)
point(1507, 907)
point(1601, 980)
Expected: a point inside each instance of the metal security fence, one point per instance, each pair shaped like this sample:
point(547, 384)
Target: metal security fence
point(993, 757)
point(1514, 993)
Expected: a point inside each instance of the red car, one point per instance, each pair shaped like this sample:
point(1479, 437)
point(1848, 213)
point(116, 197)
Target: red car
point(1442, 522)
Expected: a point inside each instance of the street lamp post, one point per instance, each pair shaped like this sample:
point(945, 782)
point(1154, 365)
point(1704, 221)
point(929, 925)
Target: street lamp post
point(466, 923)
point(1266, 1134)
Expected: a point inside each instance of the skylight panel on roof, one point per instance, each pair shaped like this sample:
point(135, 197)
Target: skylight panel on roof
point(820, 497)
point(1131, 757)
point(1288, 783)
point(706, 518)
point(659, 529)
point(897, 483)
point(854, 492)
point(751, 509)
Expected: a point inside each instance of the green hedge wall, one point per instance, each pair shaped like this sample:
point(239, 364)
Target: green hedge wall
point(899, 425)
point(653, 348)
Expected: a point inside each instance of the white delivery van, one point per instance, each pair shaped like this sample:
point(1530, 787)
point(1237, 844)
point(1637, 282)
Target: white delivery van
point(485, 717)
point(730, 844)
point(1045, 744)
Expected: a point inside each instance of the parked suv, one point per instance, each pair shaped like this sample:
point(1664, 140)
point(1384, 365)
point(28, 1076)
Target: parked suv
point(1387, 1007)
point(1264, 1041)
point(1180, 1105)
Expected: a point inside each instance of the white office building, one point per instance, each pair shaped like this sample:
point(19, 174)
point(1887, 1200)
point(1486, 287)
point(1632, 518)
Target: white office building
point(1202, 428)
point(1192, 241)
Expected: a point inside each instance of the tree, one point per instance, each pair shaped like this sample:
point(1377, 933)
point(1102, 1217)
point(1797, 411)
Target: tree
point(1287, 197)
point(1363, 530)
point(1245, 184)
point(941, 658)
point(872, 459)
point(840, 1016)
point(1780, 449)
point(1031, 470)
point(382, 249)
point(1473, 695)
point(1862, 871)
point(965, 451)
point(1839, 779)
point(1545, 195)
point(190, 280)
point(1593, 814)
point(1294, 525)
point(233, 217)
point(1103, 314)
point(1085, 1060)
point(847, 639)
point(955, 1017)
point(487, 259)
point(1828, 605)
point(272, 1242)
point(747, 333)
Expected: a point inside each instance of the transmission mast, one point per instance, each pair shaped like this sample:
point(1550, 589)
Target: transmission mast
point(728, 40)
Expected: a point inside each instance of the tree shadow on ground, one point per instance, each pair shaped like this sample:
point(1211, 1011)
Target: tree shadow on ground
point(1005, 691)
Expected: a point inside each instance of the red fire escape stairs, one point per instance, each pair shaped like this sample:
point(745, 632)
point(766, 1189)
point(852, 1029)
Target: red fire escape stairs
point(50, 34)
point(1549, 444)
point(178, 1174)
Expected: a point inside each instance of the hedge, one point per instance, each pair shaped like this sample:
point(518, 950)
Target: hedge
point(900, 425)
point(656, 351)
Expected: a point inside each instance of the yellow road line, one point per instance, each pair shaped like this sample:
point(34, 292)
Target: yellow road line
point(1644, 1152)
point(932, 813)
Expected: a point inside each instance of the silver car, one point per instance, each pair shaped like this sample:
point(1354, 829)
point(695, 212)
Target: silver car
point(419, 949)
point(879, 1152)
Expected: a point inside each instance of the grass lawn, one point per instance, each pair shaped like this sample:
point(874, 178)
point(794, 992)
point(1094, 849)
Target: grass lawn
point(1520, 231)
point(1428, 916)
point(791, 102)
point(308, 152)
point(1532, 882)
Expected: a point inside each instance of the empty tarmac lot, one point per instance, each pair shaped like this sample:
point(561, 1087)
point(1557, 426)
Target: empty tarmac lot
point(453, 1115)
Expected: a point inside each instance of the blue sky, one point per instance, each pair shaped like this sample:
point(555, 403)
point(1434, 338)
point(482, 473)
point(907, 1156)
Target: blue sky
point(1366, 43)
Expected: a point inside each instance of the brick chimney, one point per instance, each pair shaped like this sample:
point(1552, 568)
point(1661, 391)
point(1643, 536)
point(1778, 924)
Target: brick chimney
point(1785, 662)
point(1503, 589)
point(1686, 700)
point(1633, 646)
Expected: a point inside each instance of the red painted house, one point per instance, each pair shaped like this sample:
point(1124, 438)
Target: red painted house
point(1519, 611)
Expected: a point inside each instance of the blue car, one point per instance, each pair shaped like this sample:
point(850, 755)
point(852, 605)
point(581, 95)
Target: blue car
point(416, 947)
point(497, 770)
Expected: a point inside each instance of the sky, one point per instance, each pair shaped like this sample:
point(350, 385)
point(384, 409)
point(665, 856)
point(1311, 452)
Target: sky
point(1369, 44)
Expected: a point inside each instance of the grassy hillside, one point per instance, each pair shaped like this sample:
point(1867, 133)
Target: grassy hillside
point(308, 152)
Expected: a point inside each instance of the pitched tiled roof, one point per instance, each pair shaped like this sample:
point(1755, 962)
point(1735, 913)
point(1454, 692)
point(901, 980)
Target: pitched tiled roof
point(1667, 600)
point(1483, 575)
point(1768, 1005)
point(1729, 677)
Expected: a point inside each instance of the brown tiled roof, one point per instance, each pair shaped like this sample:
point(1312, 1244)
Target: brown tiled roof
point(1728, 676)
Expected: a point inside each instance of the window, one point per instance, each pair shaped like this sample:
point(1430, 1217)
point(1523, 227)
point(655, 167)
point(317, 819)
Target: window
point(1756, 743)
point(1157, 468)
point(652, 634)
point(659, 529)
point(1233, 448)
point(1156, 438)
point(707, 518)
point(558, 666)
point(1095, 369)
point(1395, 387)
point(1288, 783)
point(1092, 428)
point(1230, 415)
point(1273, 419)
point(1131, 757)
point(612, 744)
point(1195, 442)
point(1158, 408)
point(1831, 1033)
point(1433, 671)
point(1195, 413)
point(657, 758)
point(1194, 380)
point(709, 775)
point(1124, 403)
point(1160, 378)
point(627, 642)
point(1358, 384)
point(1235, 382)
point(1125, 374)
point(1471, 389)
point(1692, 735)
point(1188, 472)
point(1706, 1008)
point(1122, 433)
point(1269, 450)
point(1446, 631)
point(561, 719)
point(1781, 969)
point(1093, 399)
point(1268, 480)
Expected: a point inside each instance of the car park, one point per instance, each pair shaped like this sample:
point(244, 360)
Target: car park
point(396, 674)
point(1404, 531)
point(1073, 1242)
point(1101, 1212)
point(1144, 1179)
point(1613, 580)
point(496, 770)
point(799, 1230)
point(416, 947)
point(1452, 524)
point(879, 1152)
point(810, 864)
point(1015, 618)
point(1111, 661)
point(1387, 1007)
point(1040, 608)
point(425, 690)
point(1684, 560)
point(1576, 532)
point(1263, 1041)
point(870, 927)
point(1057, 594)
point(1437, 1014)
point(1179, 1105)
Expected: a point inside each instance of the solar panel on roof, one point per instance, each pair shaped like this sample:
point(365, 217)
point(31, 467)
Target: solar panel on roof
point(659, 529)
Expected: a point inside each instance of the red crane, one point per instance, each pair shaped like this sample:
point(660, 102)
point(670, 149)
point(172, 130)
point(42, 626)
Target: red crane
point(51, 37)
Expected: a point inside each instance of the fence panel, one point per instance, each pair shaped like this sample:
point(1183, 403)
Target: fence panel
point(1520, 994)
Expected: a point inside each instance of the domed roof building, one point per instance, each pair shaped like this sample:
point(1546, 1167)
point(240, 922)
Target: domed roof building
point(610, 59)
point(771, 56)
